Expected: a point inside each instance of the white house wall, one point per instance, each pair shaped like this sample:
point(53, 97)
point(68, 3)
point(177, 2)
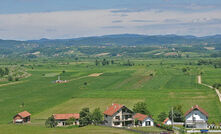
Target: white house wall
point(169, 122)
point(147, 119)
point(197, 115)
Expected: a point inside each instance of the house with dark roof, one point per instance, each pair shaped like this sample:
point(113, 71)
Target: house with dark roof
point(196, 117)
point(23, 117)
point(118, 115)
point(143, 120)
point(61, 119)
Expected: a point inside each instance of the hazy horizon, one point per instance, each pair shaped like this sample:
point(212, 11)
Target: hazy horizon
point(31, 19)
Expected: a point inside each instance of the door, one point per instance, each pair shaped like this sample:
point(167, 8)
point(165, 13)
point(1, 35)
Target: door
point(147, 123)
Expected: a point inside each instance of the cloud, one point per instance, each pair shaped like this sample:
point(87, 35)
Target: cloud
point(117, 21)
point(126, 10)
point(171, 20)
point(111, 27)
point(70, 24)
point(142, 21)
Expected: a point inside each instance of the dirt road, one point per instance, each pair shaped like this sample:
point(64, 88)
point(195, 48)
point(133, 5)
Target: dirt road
point(217, 91)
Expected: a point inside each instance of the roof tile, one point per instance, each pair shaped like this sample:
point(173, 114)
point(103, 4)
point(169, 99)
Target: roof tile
point(113, 109)
point(140, 116)
point(66, 116)
point(24, 114)
point(198, 108)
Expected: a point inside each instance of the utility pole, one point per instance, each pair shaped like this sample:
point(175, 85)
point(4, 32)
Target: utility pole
point(172, 116)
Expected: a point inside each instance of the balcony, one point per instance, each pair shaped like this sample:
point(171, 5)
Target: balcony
point(195, 121)
point(128, 119)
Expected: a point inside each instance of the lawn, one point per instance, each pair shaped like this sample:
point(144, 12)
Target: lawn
point(149, 129)
point(27, 129)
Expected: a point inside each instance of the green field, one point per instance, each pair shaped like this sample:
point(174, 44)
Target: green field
point(126, 85)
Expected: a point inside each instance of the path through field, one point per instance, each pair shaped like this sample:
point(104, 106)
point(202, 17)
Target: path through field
point(11, 83)
point(217, 91)
point(91, 75)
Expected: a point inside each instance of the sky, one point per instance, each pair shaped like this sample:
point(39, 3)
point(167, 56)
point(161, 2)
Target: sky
point(61, 19)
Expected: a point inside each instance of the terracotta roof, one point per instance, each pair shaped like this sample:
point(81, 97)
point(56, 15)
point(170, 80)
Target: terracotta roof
point(196, 107)
point(24, 114)
point(165, 120)
point(140, 116)
point(113, 109)
point(66, 116)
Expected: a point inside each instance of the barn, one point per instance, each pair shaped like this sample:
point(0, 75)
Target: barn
point(23, 117)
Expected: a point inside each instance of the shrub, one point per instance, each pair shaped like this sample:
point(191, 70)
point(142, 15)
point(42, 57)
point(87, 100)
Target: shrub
point(85, 83)
point(167, 127)
point(50, 122)
point(70, 121)
point(10, 78)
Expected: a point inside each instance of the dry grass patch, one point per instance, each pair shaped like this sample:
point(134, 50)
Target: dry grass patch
point(95, 74)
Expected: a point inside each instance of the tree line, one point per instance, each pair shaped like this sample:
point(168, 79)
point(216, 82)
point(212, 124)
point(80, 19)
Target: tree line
point(105, 62)
point(4, 71)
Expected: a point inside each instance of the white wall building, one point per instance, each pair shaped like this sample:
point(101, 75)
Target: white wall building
point(118, 116)
point(167, 121)
point(143, 120)
point(196, 117)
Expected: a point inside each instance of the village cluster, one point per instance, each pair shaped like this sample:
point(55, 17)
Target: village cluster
point(118, 115)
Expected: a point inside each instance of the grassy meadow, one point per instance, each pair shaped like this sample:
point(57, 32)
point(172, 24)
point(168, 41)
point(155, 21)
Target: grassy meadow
point(160, 83)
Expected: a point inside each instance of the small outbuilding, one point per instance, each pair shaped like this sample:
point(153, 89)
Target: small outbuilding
point(23, 117)
point(167, 121)
point(143, 120)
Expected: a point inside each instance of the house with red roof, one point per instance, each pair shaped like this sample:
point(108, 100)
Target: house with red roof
point(61, 119)
point(196, 117)
point(167, 121)
point(23, 117)
point(118, 115)
point(143, 120)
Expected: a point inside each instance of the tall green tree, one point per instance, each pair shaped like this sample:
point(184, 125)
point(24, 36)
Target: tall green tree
point(6, 71)
point(97, 116)
point(96, 62)
point(85, 117)
point(162, 116)
point(2, 72)
point(141, 107)
point(178, 115)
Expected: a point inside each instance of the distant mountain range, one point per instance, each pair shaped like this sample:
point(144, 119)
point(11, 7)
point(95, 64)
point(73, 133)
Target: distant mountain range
point(118, 39)
point(62, 47)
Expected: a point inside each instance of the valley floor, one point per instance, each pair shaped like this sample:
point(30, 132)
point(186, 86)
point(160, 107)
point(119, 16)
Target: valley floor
point(161, 84)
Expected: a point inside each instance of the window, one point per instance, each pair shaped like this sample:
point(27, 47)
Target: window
point(116, 123)
point(117, 117)
point(126, 117)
